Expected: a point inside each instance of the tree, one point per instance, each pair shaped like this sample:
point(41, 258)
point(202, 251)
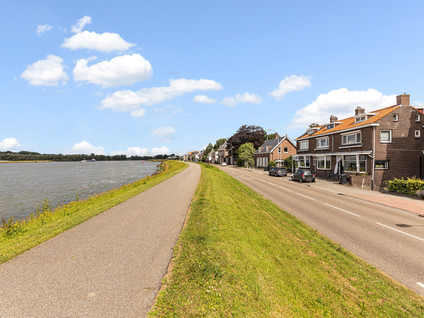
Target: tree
point(288, 162)
point(313, 125)
point(246, 134)
point(246, 153)
point(218, 143)
point(272, 164)
point(208, 149)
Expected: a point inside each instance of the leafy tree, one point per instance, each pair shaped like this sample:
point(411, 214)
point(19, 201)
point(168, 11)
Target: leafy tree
point(272, 164)
point(218, 143)
point(246, 134)
point(288, 162)
point(208, 149)
point(246, 154)
point(270, 136)
point(313, 125)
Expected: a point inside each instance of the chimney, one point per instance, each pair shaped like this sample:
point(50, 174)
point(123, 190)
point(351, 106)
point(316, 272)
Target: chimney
point(402, 100)
point(333, 118)
point(359, 111)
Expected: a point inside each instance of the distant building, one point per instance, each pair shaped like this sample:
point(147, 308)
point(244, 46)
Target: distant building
point(275, 150)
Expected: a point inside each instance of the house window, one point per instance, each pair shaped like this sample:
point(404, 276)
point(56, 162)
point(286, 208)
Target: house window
point(395, 117)
point(304, 145)
point(279, 149)
point(417, 133)
point(385, 136)
point(324, 163)
point(360, 119)
point(304, 161)
point(352, 138)
point(417, 118)
point(382, 164)
point(322, 142)
point(351, 165)
point(286, 150)
point(330, 126)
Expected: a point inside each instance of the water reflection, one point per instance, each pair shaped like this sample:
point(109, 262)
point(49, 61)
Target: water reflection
point(23, 186)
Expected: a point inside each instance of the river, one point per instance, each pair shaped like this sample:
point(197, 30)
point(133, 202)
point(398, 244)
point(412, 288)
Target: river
point(24, 186)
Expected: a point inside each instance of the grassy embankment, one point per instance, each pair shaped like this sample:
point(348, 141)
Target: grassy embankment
point(240, 255)
point(18, 237)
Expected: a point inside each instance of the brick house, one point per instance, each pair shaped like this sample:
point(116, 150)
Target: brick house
point(275, 150)
point(224, 154)
point(371, 147)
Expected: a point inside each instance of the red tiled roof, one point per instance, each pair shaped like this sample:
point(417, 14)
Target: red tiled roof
point(350, 122)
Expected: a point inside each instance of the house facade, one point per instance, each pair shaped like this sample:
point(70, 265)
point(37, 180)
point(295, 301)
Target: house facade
point(224, 154)
point(275, 150)
point(371, 147)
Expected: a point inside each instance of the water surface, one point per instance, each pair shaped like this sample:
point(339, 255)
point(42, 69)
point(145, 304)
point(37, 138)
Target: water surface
point(24, 186)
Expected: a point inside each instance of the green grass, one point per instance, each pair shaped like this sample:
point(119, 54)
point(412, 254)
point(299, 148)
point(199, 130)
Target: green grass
point(18, 237)
point(240, 255)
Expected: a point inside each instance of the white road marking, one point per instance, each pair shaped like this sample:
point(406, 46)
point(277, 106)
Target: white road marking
point(421, 284)
point(286, 189)
point(305, 196)
point(418, 238)
point(334, 207)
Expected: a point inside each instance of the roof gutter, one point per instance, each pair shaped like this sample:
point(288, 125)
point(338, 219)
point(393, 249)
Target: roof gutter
point(339, 131)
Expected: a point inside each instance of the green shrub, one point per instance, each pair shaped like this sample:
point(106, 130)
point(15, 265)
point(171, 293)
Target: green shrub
point(409, 186)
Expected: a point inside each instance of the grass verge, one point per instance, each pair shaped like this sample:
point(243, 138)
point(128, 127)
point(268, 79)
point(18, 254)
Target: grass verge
point(242, 256)
point(17, 237)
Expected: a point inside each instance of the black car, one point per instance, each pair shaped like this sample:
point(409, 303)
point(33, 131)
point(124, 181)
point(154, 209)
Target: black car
point(278, 172)
point(303, 175)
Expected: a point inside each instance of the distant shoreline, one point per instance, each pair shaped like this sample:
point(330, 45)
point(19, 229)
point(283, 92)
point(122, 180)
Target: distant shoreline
point(25, 161)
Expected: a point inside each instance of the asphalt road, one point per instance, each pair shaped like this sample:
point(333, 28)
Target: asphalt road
point(109, 266)
point(390, 239)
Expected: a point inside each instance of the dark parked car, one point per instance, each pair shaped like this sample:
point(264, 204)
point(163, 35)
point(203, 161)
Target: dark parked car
point(278, 172)
point(303, 175)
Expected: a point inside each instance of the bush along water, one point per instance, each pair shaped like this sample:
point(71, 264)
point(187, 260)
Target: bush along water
point(410, 186)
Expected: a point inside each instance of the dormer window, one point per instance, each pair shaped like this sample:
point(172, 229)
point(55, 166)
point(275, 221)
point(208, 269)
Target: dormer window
point(330, 126)
point(360, 119)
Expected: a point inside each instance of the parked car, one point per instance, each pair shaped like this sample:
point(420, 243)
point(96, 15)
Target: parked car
point(278, 172)
point(223, 163)
point(303, 175)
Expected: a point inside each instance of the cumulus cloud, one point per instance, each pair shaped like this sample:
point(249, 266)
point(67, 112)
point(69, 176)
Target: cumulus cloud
point(204, 99)
point(43, 28)
point(105, 42)
point(138, 151)
point(9, 144)
point(121, 70)
point(166, 133)
point(48, 72)
point(81, 23)
point(340, 102)
point(85, 147)
point(290, 84)
point(127, 100)
point(138, 113)
point(242, 98)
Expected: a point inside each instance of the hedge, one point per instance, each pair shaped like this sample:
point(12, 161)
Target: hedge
point(409, 186)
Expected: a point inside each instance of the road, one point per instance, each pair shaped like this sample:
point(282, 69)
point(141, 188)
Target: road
point(109, 266)
point(389, 238)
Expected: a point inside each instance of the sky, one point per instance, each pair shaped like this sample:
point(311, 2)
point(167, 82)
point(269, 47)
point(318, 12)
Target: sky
point(156, 77)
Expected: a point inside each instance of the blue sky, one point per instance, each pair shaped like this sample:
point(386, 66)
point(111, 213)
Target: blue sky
point(149, 77)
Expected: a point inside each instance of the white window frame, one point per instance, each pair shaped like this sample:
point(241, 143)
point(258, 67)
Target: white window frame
point(319, 146)
point(286, 149)
point(386, 164)
point(305, 144)
point(395, 117)
point(279, 149)
point(417, 133)
point(356, 133)
point(417, 118)
point(306, 161)
point(326, 160)
point(358, 160)
point(330, 126)
point(390, 136)
point(360, 119)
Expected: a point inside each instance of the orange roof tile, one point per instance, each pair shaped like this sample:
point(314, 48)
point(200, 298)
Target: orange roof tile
point(350, 122)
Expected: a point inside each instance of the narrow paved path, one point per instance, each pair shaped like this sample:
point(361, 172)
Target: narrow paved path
point(109, 266)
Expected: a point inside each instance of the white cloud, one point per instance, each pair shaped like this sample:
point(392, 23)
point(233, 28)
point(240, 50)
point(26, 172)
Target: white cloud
point(81, 23)
point(166, 133)
point(105, 42)
point(242, 98)
point(290, 84)
point(121, 70)
point(127, 100)
point(137, 151)
point(48, 72)
point(85, 147)
point(138, 113)
point(342, 103)
point(9, 144)
point(204, 99)
point(43, 28)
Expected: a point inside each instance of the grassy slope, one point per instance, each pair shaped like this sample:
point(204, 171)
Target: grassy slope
point(20, 237)
point(240, 255)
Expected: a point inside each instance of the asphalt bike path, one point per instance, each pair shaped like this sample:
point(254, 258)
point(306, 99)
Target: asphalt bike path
point(109, 266)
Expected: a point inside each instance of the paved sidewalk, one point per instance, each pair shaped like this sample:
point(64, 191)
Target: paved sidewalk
point(109, 266)
point(396, 201)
